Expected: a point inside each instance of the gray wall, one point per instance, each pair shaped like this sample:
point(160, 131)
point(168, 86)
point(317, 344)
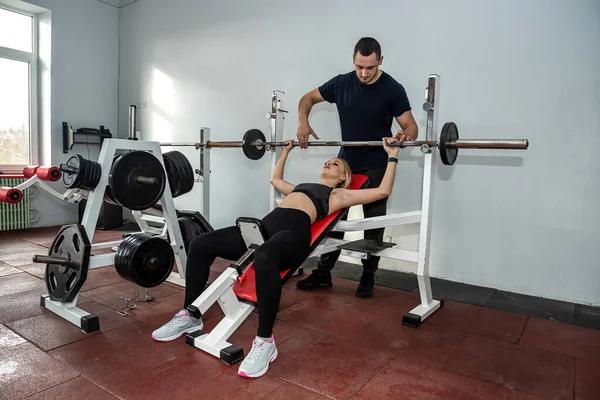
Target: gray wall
point(84, 62)
point(519, 221)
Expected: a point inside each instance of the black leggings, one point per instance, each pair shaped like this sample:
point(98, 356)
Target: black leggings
point(287, 246)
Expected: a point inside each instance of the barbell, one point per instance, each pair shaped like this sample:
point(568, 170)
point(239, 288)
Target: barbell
point(254, 144)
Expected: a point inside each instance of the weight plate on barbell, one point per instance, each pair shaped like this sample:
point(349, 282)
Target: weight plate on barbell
point(126, 187)
point(144, 260)
point(64, 282)
point(87, 175)
point(449, 133)
point(70, 179)
point(252, 151)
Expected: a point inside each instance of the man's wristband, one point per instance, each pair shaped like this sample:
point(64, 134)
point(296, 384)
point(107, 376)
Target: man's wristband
point(393, 159)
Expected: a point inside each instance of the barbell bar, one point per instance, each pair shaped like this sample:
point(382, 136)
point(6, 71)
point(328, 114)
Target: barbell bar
point(459, 144)
point(513, 144)
point(254, 144)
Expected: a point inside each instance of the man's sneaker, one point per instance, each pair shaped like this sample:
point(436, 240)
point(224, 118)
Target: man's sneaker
point(257, 361)
point(181, 324)
point(314, 280)
point(365, 287)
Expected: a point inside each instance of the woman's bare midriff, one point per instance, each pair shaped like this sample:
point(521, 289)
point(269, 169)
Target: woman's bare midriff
point(300, 201)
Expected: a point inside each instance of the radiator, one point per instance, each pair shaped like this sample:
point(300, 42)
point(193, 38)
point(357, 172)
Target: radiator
point(14, 216)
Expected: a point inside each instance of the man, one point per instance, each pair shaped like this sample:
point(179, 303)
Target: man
point(367, 100)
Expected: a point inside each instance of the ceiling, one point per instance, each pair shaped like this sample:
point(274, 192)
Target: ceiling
point(118, 3)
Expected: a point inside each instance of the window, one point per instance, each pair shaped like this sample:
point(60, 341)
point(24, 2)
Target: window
point(18, 89)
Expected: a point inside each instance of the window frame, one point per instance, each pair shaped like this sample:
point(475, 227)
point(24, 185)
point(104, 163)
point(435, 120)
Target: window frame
point(33, 60)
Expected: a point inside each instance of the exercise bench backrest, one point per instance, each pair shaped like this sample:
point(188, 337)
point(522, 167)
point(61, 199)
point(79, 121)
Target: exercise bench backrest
point(245, 288)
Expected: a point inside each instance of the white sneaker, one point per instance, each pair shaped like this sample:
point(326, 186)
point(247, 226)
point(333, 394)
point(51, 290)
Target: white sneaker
point(181, 323)
point(257, 361)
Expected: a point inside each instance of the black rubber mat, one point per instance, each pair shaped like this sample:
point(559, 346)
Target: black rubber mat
point(367, 246)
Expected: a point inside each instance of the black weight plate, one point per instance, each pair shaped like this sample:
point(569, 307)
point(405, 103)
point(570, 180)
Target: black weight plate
point(197, 227)
point(188, 231)
point(449, 133)
point(70, 180)
point(108, 197)
point(186, 172)
point(85, 172)
point(119, 253)
point(250, 150)
point(178, 173)
point(172, 174)
point(95, 178)
point(152, 262)
point(123, 256)
point(122, 180)
point(64, 282)
point(202, 223)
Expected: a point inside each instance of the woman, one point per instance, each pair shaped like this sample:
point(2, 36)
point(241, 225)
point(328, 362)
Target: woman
point(288, 245)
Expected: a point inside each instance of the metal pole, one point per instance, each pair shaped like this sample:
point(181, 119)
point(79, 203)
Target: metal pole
point(132, 122)
point(276, 116)
point(205, 166)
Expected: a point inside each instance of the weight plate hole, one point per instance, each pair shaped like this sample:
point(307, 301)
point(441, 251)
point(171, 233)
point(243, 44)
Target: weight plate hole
point(69, 284)
point(58, 243)
point(76, 243)
point(53, 282)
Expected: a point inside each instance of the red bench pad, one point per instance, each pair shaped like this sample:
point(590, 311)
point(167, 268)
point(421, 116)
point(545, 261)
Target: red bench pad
point(245, 287)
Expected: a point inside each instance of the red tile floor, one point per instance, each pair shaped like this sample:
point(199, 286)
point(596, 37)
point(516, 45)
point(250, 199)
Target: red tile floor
point(331, 345)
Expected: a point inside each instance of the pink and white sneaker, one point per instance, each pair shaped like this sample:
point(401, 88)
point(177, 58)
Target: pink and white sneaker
point(257, 361)
point(181, 324)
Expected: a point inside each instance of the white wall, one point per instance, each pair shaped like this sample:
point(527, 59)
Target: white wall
point(518, 221)
point(83, 86)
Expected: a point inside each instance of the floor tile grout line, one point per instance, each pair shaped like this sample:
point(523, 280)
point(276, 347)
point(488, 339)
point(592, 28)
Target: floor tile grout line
point(385, 364)
point(555, 354)
point(574, 378)
point(454, 352)
point(55, 385)
point(519, 345)
point(523, 330)
point(304, 387)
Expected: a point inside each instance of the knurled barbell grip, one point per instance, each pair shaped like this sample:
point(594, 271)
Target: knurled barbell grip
point(51, 260)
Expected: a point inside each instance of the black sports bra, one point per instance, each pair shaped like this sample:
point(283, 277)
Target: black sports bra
point(318, 194)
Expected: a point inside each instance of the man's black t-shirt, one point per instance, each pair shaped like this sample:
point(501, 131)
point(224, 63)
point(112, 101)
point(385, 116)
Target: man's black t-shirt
point(366, 113)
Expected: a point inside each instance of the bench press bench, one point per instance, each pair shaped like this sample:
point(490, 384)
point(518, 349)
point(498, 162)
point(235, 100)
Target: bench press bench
point(235, 288)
